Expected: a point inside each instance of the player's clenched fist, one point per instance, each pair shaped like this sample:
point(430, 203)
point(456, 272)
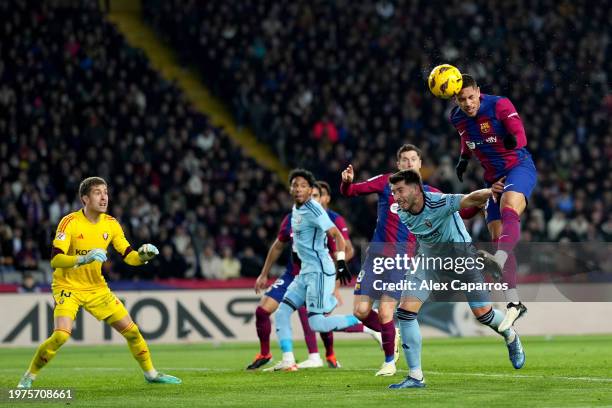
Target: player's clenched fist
point(348, 174)
point(147, 252)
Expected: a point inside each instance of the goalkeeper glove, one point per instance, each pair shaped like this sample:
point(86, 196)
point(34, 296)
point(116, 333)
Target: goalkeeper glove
point(342, 272)
point(461, 168)
point(510, 142)
point(147, 252)
point(93, 255)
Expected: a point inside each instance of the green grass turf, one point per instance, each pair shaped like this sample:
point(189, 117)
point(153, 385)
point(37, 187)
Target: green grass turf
point(560, 371)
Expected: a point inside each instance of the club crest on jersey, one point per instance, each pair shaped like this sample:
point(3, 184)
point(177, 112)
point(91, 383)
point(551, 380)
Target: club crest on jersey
point(297, 219)
point(485, 127)
point(428, 223)
point(393, 208)
point(105, 236)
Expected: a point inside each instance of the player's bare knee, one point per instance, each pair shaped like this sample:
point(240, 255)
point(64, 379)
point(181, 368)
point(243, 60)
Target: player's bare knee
point(483, 313)
point(362, 310)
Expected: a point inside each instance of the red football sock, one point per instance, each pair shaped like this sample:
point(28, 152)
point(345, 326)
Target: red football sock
point(264, 327)
point(356, 328)
point(372, 321)
point(328, 342)
point(511, 230)
point(310, 336)
point(388, 339)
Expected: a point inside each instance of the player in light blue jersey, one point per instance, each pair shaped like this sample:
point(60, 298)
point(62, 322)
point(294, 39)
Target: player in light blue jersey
point(433, 219)
point(315, 284)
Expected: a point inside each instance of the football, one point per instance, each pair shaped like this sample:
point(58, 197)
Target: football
point(445, 81)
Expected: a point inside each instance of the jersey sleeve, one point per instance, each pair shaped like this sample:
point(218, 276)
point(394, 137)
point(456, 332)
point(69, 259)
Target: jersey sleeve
point(507, 114)
point(375, 184)
point(120, 243)
point(284, 233)
point(341, 224)
point(63, 236)
point(452, 203)
point(323, 221)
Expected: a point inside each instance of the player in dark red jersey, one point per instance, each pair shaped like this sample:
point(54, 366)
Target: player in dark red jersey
point(491, 129)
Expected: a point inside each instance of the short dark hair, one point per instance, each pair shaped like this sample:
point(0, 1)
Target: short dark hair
point(89, 183)
point(468, 81)
point(409, 148)
point(307, 175)
point(324, 185)
point(407, 176)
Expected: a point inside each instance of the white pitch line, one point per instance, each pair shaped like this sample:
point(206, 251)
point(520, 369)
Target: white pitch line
point(441, 373)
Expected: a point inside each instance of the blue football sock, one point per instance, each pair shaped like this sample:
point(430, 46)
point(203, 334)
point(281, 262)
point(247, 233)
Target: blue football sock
point(283, 327)
point(321, 323)
point(493, 318)
point(411, 338)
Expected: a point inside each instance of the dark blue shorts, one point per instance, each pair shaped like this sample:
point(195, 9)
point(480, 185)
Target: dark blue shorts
point(372, 284)
point(522, 179)
point(280, 285)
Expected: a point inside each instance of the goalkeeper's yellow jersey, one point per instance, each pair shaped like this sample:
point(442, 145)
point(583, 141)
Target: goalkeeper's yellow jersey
point(76, 235)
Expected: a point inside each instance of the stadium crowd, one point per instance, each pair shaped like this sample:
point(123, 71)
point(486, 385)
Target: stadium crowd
point(76, 101)
point(323, 83)
point(333, 82)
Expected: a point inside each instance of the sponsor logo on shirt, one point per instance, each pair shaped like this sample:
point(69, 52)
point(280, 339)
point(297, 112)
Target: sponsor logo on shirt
point(491, 139)
point(60, 236)
point(470, 145)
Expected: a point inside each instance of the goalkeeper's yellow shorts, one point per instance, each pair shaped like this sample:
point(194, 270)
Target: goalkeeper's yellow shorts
point(101, 303)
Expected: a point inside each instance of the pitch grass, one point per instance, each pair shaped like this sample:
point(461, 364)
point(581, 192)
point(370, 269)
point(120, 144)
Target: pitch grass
point(560, 371)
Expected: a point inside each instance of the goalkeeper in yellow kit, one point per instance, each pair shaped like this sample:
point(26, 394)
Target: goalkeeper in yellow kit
point(79, 249)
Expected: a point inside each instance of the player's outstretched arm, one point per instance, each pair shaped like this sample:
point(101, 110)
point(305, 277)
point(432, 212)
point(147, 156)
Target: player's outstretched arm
point(275, 251)
point(476, 198)
point(376, 184)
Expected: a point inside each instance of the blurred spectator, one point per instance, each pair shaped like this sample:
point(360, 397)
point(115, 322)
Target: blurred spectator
point(352, 74)
point(230, 266)
point(169, 264)
point(210, 264)
point(76, 101)
point(28, 285)
point(250, 263)
point(27, 258)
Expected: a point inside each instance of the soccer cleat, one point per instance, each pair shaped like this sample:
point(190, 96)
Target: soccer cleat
point(409, 382)
point(396, 349)
point(283, 366)
point(260, 360)
point(387, 369)
point(516, 352)
point(162, 378)
point(25, 382)
point(513, 313)
point(377, 336)
point(332, 362)
point(311, 363)
point(491, 265)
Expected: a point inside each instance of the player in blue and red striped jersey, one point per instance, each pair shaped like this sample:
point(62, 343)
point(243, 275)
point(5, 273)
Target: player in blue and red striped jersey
point(492, 130)
point(274, 295)
point(388, 233)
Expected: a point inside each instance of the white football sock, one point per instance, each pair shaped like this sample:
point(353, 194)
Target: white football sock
point(512, 296)
point(416, 373)
point(289, 357)
point(314, 356)
point(501, 257)
point(151, 374)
